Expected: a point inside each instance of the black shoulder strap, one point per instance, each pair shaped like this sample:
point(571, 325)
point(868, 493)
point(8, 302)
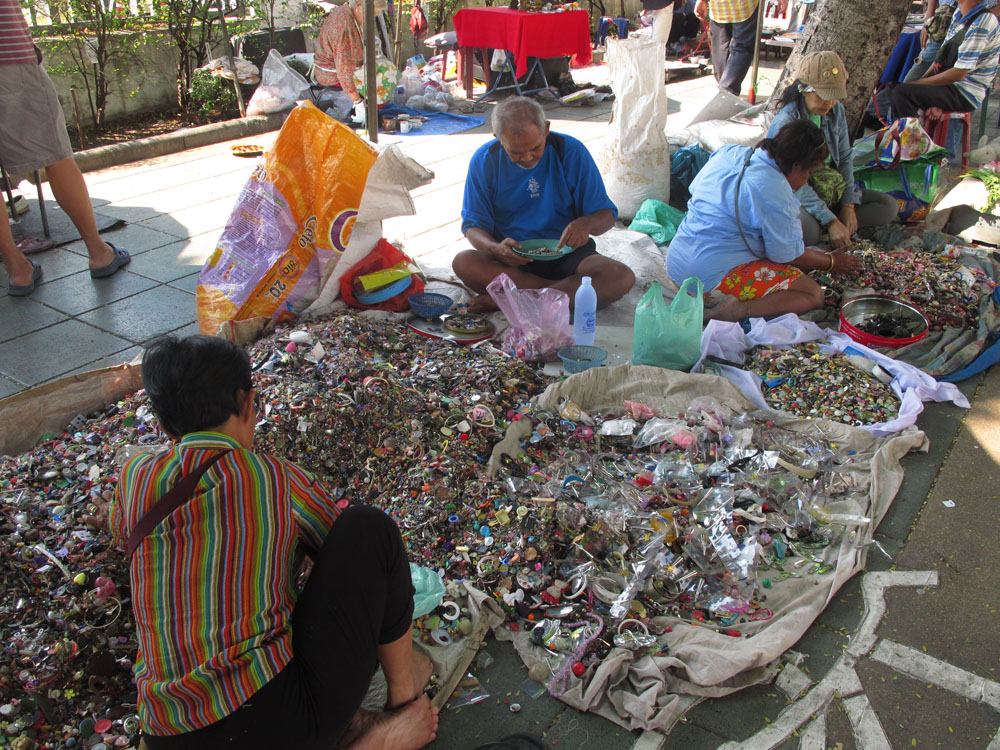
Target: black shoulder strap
point(179, 494)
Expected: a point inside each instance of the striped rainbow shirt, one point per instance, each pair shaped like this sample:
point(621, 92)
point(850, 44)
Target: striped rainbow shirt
point(15, 40)
point(213, 585)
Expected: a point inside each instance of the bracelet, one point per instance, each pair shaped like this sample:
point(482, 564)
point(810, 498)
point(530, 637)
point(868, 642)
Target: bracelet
point(831, 262)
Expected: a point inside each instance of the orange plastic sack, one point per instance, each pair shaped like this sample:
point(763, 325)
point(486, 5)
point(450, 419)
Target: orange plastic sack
point(291, 221)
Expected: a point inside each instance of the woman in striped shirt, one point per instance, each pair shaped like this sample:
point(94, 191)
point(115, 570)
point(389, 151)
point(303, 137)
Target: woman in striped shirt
point(229, 650)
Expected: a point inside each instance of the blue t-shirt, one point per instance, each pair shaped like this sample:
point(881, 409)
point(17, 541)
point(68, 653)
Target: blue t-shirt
point(708, 243)
point(538, 203)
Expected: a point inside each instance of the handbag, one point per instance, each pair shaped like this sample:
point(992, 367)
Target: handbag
point(937, 25)
point(386, 80)
point(828, 184)
point(179, 494)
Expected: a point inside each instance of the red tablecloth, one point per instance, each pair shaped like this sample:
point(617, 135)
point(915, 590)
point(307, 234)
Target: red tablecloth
point(526, 34)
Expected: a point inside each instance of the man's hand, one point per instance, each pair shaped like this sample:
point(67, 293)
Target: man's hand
point(845, 262)
point(504, 252)
point(839, 234)
point(849, 218)
point(923, 37)
point(576, 234)
point(701, 10)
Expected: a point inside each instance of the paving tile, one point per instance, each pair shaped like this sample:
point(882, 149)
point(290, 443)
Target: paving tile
point(174, 261)
point(138, 239)
point(9, 387)
point(45, 354)
point(188, 283)
point(144, 316)
point(131, 214)
point(62, 261)
point(118, 358)
point(21, 315)
point(195, 220)
point(78, 293)
point(189, 330)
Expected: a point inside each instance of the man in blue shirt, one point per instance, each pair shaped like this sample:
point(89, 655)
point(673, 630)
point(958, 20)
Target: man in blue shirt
point(531, 184)
point(961, 87)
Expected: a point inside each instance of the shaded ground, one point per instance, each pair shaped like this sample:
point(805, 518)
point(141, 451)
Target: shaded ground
point(138, 126)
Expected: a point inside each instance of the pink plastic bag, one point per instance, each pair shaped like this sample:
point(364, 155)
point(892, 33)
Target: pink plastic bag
point(539, 318)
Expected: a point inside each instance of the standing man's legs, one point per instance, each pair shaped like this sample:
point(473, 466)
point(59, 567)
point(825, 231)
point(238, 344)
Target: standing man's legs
point(721, 35)
point(741, 48)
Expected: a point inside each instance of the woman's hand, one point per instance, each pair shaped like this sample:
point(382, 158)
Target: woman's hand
point(849, 217)
point(845, 262)
point(840, 236)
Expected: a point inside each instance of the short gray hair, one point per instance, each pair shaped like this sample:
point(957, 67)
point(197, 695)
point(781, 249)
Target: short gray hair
point(516, 113)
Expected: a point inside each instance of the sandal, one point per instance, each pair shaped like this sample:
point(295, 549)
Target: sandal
point(30, 245)
point(122, 259)
point(23, 290)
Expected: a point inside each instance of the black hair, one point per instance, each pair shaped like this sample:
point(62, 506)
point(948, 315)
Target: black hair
point(798, 143)
point(792, 93)
point(195, 383)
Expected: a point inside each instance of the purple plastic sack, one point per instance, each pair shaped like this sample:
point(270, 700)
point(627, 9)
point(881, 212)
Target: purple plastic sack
point(539, 319)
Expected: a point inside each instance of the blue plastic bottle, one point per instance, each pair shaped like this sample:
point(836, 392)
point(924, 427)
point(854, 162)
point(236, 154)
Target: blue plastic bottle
point(584, 314)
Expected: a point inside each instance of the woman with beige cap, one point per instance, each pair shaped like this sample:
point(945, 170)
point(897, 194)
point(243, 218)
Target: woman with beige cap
point(830, 200)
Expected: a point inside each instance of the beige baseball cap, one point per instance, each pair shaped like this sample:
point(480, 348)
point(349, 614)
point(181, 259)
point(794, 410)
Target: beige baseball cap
point(825, 72)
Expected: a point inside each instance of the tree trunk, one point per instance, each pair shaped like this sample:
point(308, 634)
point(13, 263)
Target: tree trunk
point(863, 33)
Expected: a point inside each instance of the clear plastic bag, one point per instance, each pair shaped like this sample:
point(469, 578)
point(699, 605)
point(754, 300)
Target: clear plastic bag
point(280, 87)
point(539, 319)
point(468, 692)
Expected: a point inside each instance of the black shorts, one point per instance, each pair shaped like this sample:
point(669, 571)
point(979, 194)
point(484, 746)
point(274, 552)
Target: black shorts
point(560, 268)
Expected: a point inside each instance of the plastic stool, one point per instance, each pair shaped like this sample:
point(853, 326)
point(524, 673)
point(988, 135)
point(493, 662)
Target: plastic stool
point(938, 131)
point(7, 189)
point(604, 27)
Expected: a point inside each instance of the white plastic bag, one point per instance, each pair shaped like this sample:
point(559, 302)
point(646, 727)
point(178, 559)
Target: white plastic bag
point(280, 87)
point(635, 160)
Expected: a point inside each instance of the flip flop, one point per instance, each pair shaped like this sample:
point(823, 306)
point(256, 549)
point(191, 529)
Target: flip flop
point(122, 259)
point(23, 290)
point(30, 245)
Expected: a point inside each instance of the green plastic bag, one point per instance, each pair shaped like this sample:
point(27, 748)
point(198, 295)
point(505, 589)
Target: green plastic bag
point(428, 590)
point(658, 220)
point(669, 336)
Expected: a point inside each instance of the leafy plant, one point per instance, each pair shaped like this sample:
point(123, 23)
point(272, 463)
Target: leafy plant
point(211, 94)
point(191, 25)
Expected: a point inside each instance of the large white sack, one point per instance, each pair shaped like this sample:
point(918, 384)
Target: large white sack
point(635, 160)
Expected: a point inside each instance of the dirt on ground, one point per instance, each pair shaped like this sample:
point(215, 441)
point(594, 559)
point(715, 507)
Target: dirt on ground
point(138, 126)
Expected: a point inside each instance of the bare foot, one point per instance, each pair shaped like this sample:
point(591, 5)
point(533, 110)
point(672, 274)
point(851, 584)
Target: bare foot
point(732, 311)
point(481, 303)
point(421, 669)
point(407, 728)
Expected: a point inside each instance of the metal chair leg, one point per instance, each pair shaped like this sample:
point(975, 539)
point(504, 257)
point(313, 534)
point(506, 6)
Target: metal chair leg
point(41, 206)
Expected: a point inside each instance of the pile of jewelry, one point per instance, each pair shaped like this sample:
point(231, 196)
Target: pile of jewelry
point(946, 291)
point(804, 381)
point(611, 525)
point(381, 414)
point(65, 612)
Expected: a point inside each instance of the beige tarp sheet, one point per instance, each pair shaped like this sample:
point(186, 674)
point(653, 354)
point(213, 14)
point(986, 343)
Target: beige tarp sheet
point(652, 692)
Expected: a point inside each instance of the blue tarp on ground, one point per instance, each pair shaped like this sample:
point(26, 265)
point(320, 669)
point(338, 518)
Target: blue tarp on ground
point(437, 123)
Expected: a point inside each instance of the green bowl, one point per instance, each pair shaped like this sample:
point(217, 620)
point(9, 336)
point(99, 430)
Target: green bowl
point(543, 249)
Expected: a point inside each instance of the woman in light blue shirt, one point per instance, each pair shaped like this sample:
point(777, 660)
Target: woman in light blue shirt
point(742, 235)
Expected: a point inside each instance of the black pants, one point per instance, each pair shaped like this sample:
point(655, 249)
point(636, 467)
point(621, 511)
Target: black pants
point(733, 45)
point(907, 98)
point(359, 596)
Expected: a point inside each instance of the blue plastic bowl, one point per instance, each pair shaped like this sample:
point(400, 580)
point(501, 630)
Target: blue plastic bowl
point(580, 358)
point(430, 305)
